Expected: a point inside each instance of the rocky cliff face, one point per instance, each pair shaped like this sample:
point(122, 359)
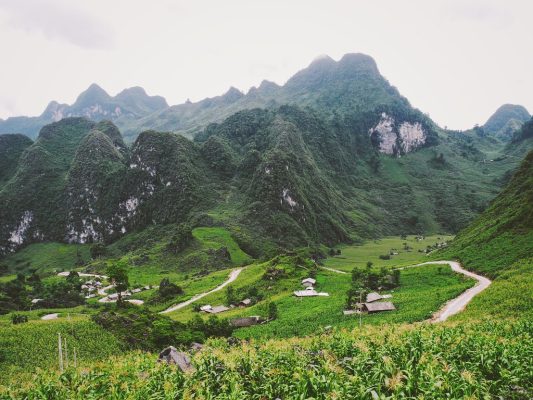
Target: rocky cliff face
point(397, 138)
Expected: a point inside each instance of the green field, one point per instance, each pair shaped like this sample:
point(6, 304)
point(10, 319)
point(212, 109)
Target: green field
point(215, 238)
point(47, 258)
point(422, 292)
point(358, 255)
point(25, 347)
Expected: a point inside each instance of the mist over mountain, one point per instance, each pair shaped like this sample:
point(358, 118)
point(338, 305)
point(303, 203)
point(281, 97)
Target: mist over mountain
point(94, 103)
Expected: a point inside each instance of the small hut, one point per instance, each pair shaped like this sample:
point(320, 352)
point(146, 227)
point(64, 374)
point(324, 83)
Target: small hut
point(371, 297)
point(246, 321)
point(217, 309)
point(245, 303)
point(378, 307)
point(308, 282)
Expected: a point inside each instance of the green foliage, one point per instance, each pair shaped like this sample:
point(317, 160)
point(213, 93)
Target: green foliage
point(166, 290)
point(489, 360)
point(497, 123)
point(118, 275)
point(503, 234)
point(367, 280)
point(18, 318)
point(46, 258)
point(140, 328)
point(181, 238)
point(272, 311)
point(25, 347)
point(11, 148)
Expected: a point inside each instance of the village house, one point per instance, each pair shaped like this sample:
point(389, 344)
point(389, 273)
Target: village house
point(307, 282)
point(246, 321)
point(371, 297)
point(214, 310)
point(377, 307)
point(245, 303)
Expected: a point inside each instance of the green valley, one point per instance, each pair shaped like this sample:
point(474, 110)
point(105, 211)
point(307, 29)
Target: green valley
point(299, 241)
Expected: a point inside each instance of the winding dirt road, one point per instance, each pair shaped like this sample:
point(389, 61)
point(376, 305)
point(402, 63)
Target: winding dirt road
point(458, 304)
point(232, 276)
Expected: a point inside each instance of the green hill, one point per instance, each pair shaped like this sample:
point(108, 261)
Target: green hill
point(499, 244)
point(503, 233)
point(506, 120)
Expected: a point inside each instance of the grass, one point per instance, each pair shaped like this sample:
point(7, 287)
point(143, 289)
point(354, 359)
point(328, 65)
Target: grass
point(46, 258)
point(216, 237)
point(247, 277)
point(423, 291)
point(358, 255)
point(509, 295)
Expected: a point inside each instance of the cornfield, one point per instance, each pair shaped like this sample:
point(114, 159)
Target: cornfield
point(471, 361)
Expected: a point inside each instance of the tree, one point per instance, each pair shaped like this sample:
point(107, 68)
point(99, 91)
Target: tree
point(118, 275)
point(18, 319)
point(230, 295)
point(181, 238)
point(272, 311)
point(396, 277)
point(168, 289)
point(369, 264)
point(97, 250)
point(73, 278)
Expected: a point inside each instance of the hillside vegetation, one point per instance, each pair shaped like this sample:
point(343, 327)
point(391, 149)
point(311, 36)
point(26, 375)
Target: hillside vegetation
point(499, 244)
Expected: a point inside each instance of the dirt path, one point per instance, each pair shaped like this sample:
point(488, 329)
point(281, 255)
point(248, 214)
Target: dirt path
point(66, 273)
point(338, 271)
point(232, 277)
point(48, 317)
point(458, 304)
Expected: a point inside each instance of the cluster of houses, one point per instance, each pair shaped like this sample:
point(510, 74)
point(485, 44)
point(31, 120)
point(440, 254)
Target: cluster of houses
point(221, 308)
point(91, 287)
point(128, 293)
point(373, 304)
point(237, 322)
point(309, 289)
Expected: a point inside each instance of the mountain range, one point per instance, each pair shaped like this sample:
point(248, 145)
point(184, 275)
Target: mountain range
point(334, 155)
point(352, 84)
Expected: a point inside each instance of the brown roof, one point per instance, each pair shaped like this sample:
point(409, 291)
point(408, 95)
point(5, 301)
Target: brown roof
point(217, 309)
point(370, 297)
point(246, 321)
point(379, 306)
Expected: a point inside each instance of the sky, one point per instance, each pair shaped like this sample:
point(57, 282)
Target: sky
point(455, 60)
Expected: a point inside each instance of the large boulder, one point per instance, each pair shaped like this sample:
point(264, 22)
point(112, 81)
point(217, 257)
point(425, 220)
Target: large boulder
point(171, 355)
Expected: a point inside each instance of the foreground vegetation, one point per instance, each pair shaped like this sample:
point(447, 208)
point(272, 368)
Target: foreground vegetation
point(487, 360)
point(24, 347)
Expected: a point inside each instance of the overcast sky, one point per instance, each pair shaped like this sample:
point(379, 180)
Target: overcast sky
point(455, 60)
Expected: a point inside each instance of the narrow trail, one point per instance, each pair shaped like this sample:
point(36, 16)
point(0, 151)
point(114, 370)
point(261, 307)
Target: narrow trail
point(232, 277)
point(66, 273)
point(458, 304)
point(48, 317)
point(338, 271)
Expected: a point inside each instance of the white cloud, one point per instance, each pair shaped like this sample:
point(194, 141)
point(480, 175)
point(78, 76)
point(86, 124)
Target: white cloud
point(58, 20)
